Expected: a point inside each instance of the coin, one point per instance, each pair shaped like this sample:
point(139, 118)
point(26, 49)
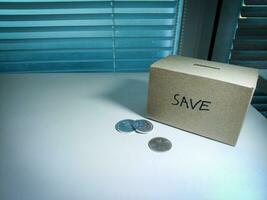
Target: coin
point(160, 144)
point(125, 126)
point(142, 126)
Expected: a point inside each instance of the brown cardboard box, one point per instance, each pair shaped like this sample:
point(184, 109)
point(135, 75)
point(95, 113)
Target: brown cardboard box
point(203, 97)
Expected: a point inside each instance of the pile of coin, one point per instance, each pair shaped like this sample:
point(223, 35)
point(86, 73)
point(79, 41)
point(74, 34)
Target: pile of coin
point(142, 126)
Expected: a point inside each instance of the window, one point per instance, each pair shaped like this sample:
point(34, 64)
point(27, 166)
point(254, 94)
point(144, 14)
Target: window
point(86, 35)
point(250, 43)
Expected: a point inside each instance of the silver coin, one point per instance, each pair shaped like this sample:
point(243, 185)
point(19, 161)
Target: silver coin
point(142, 126)
point(160, 144)
point(125, 126)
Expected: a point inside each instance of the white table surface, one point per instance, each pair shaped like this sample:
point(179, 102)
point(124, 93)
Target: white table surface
point(58, 142)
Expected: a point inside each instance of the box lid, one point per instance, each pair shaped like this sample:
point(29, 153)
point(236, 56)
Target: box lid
point(243, 76)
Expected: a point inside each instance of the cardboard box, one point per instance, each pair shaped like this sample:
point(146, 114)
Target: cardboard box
point(203, 97)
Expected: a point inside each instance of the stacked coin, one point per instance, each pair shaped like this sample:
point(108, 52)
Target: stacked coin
point(125, 126)
point(141, 126)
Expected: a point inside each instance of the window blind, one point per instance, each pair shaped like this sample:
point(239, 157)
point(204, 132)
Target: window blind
point(250, 43)
point(86, 35)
